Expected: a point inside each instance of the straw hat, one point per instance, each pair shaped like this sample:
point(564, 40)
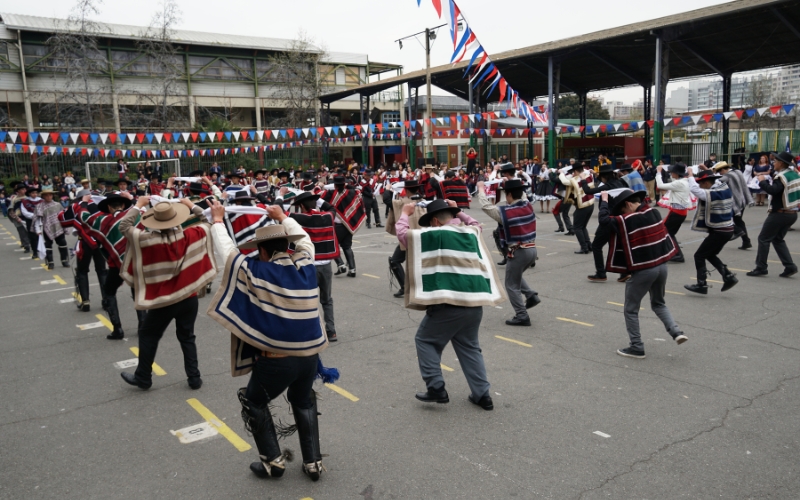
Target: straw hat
point(719, 166)
point(273, 232)
point(165, 215)
point(47, 191)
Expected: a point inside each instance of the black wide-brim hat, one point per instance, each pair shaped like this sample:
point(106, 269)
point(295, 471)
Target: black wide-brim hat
point(114, 197)
point(507, 168)
point(625, 168)
point(30, 190)
point(434, 208)
point(339, 180)
point(303, 197)
point(197, 173)
point(413, 183)
point(514, 184)
point(605, 168)
point(785, 157)
point(126, 181)
point(706, 175)
point(678, 169)
point(241, 195)
point(627, 195)
point(283, 174)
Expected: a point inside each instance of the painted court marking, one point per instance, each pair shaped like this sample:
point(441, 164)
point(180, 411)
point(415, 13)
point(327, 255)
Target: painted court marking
point(12, 243)
point(513, 341)
point(157, 370)
point(128, 363)
point(91, 326)
point(195, 432)
point(59, 279)
point(621, 305)
point(50, 282)
point(711, 281)
point(19, 250)
point(674, 293)
point(371, 276)
point(601, 434)
point(342, 392)
point(446, 368)
point(576, 322)
point(105, 321)
point(219, 425)
point(567, 241)
point(65, 301)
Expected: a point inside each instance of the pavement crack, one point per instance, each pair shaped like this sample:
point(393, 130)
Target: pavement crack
point(749, 402)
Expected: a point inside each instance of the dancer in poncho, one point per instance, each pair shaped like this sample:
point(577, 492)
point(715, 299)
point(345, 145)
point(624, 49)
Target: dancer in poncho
point(641, 246)
point(450, 275)
point(783, 205)
point(48, 226)
point(714, 216)
point(742, 198)
point(350, 215)
point(517, 227)
point(166, 266)
point(270, 304)
point(409, 194)
point(15, 214)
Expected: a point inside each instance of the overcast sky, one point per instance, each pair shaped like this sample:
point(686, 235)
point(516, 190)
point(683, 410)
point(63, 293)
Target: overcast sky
point(371, 26)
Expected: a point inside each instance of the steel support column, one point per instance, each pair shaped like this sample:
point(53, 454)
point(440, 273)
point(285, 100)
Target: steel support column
point(583, 103)
point(658, 126)
point(648, 104)
point(363, 106)
point(726, 106)
point(413, 104)
point(553, 74)
point(326, 141)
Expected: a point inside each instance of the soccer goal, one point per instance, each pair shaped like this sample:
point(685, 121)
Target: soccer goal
point(108, 169)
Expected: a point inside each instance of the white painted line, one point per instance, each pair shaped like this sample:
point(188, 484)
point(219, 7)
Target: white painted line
point(12, 243)
point(39, 268)
point(551, 253)
point(601, 434)
point(128, 363)
point(743, 357)
point(195, 433)
point(26, 257)
point(66, 301)
point(661, 340)
point(89, 326)
point(41, 291)
point(49, 282)
point(19, 250)
point(9, 238)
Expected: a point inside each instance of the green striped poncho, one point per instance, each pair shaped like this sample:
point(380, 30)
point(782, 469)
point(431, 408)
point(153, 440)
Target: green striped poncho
point(791, 188)
point(450, 265)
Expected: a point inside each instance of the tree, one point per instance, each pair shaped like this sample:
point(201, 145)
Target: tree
point(296, 75)
point(165, 106)
point(569, 108)
point(759, 95)
point(74, 54)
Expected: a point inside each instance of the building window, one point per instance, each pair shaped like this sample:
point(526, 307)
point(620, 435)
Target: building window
point(362, 74)
point(442, 155)
point(390, 116)
point(340, 76)
point(4, 62)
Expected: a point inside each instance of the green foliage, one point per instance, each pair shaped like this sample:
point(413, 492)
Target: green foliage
point(569, 108)
point(214, 124)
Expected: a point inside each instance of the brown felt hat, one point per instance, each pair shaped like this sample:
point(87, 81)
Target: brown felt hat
point(272, 232)
point(165, 215)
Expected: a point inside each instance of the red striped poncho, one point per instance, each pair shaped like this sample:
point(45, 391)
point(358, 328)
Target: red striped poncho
point(166, 267)
point(242, 227)
point(319, 227)
point(104, 228)
point(639, 241)
point(457, 191)
point(519, 223)
point(349, 207)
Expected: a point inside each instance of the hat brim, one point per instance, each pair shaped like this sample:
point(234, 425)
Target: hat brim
point(300, 197)
point(621, 199)
point(181, 214)
point(250, 245)
point(708, 178)
point(425, 220)
point(103, 205)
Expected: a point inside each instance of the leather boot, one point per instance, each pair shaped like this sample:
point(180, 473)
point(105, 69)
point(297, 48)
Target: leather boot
point(351, 259)
point(110, 306)
point(48, 258)
point(308, 432)
point(728, 278)
point(701, 286)
point(101, 278)
point(82, 280)
point(400, 275)
point(258, 421)
point(64, 255)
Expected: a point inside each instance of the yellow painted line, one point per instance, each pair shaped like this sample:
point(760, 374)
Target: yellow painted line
point(513, 341)
point(576, 322)
point(44, 266)
point(621, 305)
point(674, 293)
point(156, 369)
point(75, 295)
point(59, 279)
point(446, 368)
point(238, 443)
point(103, 320)
point(711, 281)
point(340, 391)
point(371, 276)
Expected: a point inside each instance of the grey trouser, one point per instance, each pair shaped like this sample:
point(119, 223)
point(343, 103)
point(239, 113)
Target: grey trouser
point(324, 277)
point(773, 232)
point(23, 234)
point(444, 323)
point(517, 289)
point(564, 214)
point(654, 282)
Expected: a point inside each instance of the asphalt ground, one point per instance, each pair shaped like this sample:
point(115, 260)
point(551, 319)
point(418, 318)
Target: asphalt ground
point(714, 417)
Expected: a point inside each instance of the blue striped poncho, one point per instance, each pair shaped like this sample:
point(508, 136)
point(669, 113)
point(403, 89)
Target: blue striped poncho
point(716, 212)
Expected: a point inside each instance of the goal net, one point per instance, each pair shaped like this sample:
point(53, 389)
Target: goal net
point(108, 169)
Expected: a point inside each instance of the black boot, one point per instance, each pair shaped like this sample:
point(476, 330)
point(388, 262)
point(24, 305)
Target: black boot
point(745, 243)
point(64, 256)
point(82, 280)
point(728, 278)
point(701, 286)
point(400, 275)
point(110, 306)
point(101, 278)
point(308, 431)
point(258, 421)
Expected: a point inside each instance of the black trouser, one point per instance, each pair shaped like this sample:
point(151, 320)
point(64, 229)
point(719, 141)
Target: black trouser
point(396, 266)
point(33, 238)
point(673, 223)
point(740, 227)
point(564, 213)
point(345, 244)
point(371, 204)
point(324, 276)
point(82, 271)
point(23, 235)
point(272, 376)
point(601, 238)
point(708, 251)
point(112, 284)
point(582, 218)
point(152, 329)
point(774, 231)
point(61, 241)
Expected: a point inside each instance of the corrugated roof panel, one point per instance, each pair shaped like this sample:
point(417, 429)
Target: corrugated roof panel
point(346, 58)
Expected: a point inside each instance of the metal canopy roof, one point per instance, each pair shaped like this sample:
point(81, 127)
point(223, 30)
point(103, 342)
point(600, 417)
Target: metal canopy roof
point(733, 37)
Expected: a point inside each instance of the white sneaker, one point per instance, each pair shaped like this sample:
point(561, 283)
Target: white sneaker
point(680, 339)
